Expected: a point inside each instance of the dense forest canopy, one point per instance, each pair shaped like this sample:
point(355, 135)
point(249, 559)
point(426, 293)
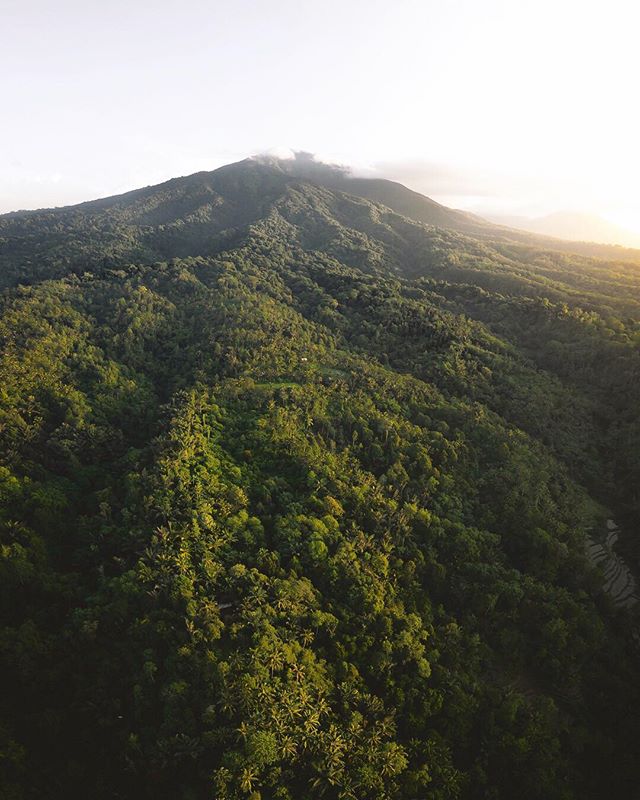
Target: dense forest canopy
point(298, 488)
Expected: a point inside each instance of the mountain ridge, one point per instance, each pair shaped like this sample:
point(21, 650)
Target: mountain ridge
point(391, 194)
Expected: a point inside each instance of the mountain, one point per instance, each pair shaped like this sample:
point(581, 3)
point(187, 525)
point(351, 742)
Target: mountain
point(573, 226)
point(299, 479)
point(588, 235)
point(388, 193)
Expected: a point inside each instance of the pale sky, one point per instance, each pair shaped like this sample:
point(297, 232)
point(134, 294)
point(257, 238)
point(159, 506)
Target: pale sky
point(496, 105)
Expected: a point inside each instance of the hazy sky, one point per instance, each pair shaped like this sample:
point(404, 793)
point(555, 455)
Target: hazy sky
point(514, 106)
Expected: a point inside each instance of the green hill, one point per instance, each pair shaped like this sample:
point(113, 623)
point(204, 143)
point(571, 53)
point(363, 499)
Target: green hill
point(297, 486)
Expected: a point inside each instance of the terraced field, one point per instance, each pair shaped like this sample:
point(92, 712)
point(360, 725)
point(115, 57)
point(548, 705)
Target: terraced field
point(619, 582)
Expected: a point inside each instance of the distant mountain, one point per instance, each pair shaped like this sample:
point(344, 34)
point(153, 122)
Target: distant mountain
point(572, 226)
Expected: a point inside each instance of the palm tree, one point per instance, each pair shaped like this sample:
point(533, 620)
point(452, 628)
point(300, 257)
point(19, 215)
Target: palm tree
point(248, 779)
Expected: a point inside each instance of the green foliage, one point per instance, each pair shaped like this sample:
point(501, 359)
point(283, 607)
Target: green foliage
point(294, 495)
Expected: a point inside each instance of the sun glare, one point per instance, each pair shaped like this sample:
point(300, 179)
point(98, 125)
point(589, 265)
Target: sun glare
point(626, 217)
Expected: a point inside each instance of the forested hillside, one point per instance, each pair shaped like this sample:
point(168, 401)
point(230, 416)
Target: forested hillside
point(297, 494)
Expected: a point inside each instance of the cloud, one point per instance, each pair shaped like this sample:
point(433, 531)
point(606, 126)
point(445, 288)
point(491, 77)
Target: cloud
point(303, 164)
point(279, 152)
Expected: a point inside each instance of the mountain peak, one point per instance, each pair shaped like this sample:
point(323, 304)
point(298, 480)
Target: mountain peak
point(302, 163)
